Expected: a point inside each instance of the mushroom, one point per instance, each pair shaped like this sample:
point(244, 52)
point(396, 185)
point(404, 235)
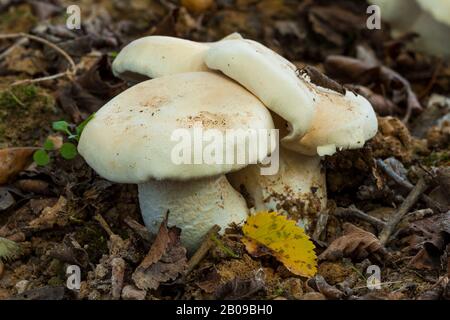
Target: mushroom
point(298, 189)
point(314, 121)
point(130, 140)
point(430, 19)
point(156, 56)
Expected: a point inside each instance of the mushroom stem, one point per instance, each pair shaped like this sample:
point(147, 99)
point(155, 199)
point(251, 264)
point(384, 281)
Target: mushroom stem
point(298, 189)
point(194, 206)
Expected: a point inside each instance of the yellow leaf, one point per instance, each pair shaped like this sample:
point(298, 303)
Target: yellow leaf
point(273, 233)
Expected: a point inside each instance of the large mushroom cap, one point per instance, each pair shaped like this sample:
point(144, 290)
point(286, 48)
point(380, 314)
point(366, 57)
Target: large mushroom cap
point(270, 77)
point(129, 139)
point(157, 56)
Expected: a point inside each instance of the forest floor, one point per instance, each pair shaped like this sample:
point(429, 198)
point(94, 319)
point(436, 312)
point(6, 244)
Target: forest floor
point(64, 214)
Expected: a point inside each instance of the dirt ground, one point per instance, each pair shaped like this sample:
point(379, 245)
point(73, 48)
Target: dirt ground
point(64, 214)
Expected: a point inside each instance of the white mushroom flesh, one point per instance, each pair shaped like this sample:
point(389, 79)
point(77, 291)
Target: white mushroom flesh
point(298, 189)
point(157, 56)
point(195, 206)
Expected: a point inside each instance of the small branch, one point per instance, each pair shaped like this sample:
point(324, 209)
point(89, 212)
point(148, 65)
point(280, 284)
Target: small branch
point(69, 73)
point(201, 252)
point(52, 77)
point(11, 48)
point(353, 212)
point(104, 224)
point(406, 184)
point(321, 224)
point(393, 175)
point(410, 200)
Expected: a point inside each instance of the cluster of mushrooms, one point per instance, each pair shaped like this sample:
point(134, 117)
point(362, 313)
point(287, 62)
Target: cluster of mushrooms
point(233, 83)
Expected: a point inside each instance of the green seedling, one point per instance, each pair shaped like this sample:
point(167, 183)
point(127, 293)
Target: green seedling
point(68, 150)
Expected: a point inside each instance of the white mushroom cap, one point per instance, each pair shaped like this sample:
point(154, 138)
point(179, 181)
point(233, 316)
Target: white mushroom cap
point(298, 189)
point(129, 139)
point(321, 120)
point(157, 56)
point(270, 77)
point(340, 122)
point(194, 205)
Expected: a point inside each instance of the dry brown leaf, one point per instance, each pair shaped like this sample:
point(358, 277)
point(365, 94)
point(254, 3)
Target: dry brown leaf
point(433, 235)
point(355, 243)
point(197, 6)
point(14, 160)
point(51, 216)
point(165, 261)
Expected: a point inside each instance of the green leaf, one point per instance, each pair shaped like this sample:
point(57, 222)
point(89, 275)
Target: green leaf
point(41, 157)
point(48, 145)
point(68, 151)
point(61, 126)
point(81, 126)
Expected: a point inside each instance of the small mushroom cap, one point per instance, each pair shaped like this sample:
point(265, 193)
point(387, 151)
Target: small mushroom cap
point(270, 77)
point(157, 56)
point(298, 189)
point(130, 138)
point(340, 122)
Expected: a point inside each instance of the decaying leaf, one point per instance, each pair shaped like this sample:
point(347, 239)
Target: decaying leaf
point(44, 293)
point(239, 288)
point(432, 235)
point(12, 161)
point(6, 199)
point(51, 216)
point(272, 233)
point(355, 243)
point(165, 261)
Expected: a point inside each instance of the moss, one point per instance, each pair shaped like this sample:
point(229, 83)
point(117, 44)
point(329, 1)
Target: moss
point(55, 281)
point(17, 19)
point(437, 158)
point(94, 237)
point(26, 113)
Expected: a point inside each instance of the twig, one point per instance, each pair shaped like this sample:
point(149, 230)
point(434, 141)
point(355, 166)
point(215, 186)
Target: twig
point(104, 224)
point(410, 200)
point(393, 175)
point(28, 81)
point(406, 184)
point(321, 224)
point(201, 252)
point(11, 48)
point(353, 212)
point(433, 79)
point(15, 98)
point(69, 73)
